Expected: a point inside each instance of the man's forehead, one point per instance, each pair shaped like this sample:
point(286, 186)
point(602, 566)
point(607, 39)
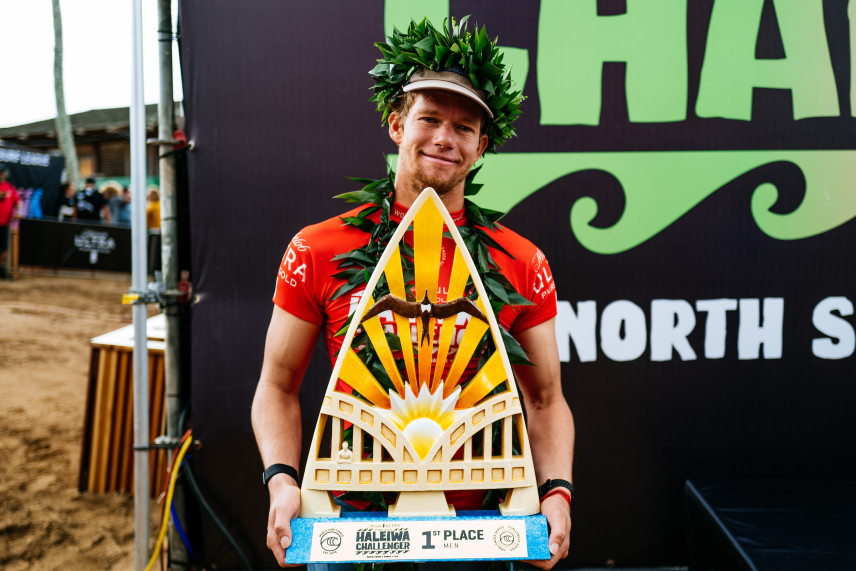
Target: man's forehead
point(433, 101)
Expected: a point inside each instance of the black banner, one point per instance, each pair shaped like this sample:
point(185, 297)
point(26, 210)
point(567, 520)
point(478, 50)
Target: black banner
point(71, 245)
point(686, 167)
point(29, 171)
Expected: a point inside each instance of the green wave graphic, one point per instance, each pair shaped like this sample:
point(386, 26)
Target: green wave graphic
point(660, 187)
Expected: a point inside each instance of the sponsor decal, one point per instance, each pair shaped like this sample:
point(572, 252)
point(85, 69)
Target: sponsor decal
point(373, 542)
point(94, 242)
point(506, 538)
point(330, 541)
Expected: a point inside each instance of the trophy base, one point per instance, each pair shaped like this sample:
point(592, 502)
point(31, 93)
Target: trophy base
point(374, 536)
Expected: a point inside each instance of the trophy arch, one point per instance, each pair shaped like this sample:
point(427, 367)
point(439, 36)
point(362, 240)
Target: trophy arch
point(428, 433)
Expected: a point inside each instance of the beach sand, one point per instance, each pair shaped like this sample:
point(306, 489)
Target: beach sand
point(46, 323)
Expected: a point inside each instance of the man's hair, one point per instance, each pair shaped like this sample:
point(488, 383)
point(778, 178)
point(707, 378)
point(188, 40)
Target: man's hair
point(402, 106)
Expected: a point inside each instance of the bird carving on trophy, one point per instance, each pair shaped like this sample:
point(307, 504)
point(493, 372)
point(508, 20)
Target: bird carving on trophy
point(424, 309)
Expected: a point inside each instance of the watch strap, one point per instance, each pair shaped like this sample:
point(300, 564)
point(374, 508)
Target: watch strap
point(275, 469)
point(549, 485)
point(559, 492)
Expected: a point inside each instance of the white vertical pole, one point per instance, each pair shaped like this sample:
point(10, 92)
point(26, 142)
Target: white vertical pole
point(174, 397)
point(139, 277)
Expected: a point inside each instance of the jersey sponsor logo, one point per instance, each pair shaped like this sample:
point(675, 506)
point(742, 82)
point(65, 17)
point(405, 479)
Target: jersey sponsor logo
point(543, 284)
point(300, 244)
point(288, 273)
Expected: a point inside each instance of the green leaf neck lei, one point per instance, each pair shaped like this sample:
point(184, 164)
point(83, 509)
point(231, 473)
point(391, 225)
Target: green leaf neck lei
point(357, 266)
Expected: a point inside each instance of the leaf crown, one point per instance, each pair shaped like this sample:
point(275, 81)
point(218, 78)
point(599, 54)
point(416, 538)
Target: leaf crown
point(454, 48)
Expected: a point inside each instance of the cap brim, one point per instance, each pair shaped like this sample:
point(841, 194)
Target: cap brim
point(448, 86)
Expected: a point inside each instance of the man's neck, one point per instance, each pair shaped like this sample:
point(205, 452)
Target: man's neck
point(453, 200)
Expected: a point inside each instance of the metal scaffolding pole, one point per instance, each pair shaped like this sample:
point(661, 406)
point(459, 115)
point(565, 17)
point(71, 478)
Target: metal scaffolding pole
point(169, 260)
point(139, 277)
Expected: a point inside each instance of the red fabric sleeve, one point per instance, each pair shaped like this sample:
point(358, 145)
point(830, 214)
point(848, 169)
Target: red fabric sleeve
point(540, 290)
point(295, 287)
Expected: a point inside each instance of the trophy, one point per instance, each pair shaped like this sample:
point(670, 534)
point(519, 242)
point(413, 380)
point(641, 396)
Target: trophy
point(437, 420)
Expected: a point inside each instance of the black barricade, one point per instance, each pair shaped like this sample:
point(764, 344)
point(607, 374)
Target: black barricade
point(71, 245)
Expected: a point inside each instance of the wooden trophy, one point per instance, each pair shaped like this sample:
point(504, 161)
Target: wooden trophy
point(433, 422)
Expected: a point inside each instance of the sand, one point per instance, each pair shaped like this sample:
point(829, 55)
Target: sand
point(46, 323)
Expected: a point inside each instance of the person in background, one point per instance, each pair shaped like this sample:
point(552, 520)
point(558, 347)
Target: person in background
point(153, 210)
point(34, 210)
point(9, 200)
point(66, 202)
point(125, 210)
point(90, 206)
point(112, 194)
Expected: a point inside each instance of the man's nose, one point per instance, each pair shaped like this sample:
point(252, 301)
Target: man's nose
point(443, 135)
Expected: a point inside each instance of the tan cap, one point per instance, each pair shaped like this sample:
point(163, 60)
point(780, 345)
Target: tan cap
point(424, 78)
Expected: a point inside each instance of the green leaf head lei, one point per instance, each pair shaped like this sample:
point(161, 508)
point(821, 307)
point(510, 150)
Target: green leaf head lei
point(454, 48)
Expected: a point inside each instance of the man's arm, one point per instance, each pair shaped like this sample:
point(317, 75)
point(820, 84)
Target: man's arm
point(276, 418)
point(551, 429)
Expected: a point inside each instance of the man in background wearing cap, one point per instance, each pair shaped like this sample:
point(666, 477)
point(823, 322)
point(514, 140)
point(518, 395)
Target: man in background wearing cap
point(442, 124)
point(9, 200)
point(90, 206)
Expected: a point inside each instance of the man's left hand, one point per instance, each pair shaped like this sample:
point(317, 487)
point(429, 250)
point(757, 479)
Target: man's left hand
point(558, 514)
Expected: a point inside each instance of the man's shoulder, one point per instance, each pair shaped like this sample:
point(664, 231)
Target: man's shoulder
point(332, 234)
point(333, 224)
point(518, 246)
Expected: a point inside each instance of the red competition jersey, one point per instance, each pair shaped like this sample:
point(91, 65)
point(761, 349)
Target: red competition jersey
point(305, 287)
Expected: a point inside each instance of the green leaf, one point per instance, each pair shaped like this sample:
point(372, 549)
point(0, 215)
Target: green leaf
point(358, 256)
point(357, 196)
point(345, 274)
point(427, 44)
point(494, 287)
point(516, 354)
point(344, 329)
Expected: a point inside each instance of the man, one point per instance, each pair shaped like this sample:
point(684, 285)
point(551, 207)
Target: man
point(442, 124)
point(90, 206)
point(9, 200)
point(66, 201)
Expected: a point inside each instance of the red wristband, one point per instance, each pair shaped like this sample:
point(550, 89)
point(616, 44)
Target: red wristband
point(559, 491)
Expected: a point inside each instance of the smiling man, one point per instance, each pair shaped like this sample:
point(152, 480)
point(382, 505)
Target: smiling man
point(442, 123)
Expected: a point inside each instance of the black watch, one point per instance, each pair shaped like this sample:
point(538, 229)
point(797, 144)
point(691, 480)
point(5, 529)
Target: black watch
point(275, 469)
point(556, 483)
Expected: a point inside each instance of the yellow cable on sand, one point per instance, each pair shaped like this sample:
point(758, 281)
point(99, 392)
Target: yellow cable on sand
point(187, 442)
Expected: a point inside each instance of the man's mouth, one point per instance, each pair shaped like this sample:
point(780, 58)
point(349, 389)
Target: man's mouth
point(439, 159)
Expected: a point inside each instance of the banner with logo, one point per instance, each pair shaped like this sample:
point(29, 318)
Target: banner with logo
point(30, 171)
point(71, 245)
point(686, 167)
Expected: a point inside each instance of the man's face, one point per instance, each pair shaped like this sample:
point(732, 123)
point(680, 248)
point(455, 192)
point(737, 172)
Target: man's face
point(438, 142)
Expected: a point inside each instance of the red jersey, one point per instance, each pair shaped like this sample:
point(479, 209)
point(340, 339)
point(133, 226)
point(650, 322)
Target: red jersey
point(305, 287)
point(9, 199)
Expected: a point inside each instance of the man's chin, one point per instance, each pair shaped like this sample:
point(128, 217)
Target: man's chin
point(442, 186)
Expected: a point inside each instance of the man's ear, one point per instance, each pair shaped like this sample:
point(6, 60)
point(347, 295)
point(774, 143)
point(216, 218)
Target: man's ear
point(482, 145)
point(396, 127)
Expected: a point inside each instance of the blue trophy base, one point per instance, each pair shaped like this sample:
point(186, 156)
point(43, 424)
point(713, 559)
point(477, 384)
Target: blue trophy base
point(374, 536)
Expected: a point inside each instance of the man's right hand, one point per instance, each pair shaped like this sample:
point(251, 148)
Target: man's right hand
point(284, 506)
